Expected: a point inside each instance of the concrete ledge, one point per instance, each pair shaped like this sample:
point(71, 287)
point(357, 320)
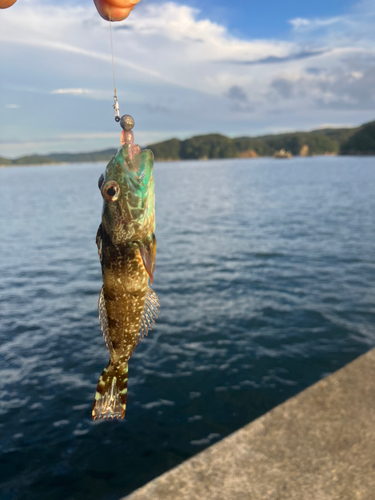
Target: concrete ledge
point(318, 445)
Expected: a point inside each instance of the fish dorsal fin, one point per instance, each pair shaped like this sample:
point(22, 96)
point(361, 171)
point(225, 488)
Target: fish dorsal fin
point(148, 253)
point(103, 318)
point(150, 313)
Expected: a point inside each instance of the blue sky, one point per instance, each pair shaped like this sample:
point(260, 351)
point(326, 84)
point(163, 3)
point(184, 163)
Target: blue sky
point(182, 68)
point(266, 18)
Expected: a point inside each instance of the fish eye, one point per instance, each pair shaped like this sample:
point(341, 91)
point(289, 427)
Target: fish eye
point(111, 191)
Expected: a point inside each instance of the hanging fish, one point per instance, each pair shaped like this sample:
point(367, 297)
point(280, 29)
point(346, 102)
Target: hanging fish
point(126, 244)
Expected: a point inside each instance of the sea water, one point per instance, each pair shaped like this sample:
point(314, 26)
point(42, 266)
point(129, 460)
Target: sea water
point(266, 276)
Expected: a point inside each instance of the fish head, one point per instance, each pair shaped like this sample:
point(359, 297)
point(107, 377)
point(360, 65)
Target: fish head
point(127, 188)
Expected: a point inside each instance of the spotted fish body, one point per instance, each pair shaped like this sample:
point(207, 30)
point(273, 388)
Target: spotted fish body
point(127, 249)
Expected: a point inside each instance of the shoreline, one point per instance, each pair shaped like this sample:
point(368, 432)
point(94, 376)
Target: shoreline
point(318, 444)
point(57, 164)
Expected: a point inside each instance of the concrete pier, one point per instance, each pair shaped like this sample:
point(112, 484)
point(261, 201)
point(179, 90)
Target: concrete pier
point(318, 445)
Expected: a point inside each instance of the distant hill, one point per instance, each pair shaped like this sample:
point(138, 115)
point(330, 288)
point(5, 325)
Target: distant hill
point(359, 140)
point(5, 161)
point(54, 158)
point(317, 142)
point(362, 142)
point(32, 160)
point(167, 150)
point(104, 155)
point(339, 135)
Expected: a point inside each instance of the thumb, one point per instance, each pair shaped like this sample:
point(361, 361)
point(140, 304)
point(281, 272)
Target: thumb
point(114, 10)
point(4, 4)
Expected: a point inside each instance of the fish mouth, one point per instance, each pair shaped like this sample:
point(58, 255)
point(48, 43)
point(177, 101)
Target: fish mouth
point(135, 170)
point(135, 175)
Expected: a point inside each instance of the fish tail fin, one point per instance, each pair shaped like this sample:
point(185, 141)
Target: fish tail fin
point(111, 392)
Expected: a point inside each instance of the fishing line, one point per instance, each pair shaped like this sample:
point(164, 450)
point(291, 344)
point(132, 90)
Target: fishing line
point(116, 106)
point(113, 59)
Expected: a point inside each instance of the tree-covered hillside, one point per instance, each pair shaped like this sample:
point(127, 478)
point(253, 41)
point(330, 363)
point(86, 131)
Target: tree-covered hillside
point(33, 160)
point(317, 142)
point(60, 158)
point(362, 142)
point(5, 161)
point(167, 150)
point(83, 157)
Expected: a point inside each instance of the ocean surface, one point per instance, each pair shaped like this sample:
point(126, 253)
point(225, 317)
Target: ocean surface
point(266, 277)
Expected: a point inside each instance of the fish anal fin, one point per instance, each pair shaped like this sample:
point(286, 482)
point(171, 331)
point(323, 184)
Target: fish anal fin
point(103, 318)
point(148, 253)
point(150, 313)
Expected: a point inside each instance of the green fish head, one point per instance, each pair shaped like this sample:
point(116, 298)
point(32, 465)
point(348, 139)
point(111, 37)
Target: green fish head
point(127, 187)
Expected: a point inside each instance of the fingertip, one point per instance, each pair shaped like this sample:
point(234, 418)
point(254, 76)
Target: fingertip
point(4, 4)
point(118, 14)
point(115, 10)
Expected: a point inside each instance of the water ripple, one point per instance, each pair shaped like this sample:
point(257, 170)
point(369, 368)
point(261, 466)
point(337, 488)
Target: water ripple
point(265, 272)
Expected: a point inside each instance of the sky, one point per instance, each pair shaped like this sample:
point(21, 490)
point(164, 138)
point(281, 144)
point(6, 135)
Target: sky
point(183, 68)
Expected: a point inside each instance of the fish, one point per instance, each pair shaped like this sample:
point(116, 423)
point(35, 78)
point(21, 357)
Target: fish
point(126, 243)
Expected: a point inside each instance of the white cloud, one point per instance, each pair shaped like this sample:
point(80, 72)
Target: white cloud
point(334, 125)
point(12, 106)
point(162, 44)
point(313, 24)
point(71, 91)
point(298, 22)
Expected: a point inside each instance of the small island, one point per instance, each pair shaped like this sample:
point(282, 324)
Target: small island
point(284, 155)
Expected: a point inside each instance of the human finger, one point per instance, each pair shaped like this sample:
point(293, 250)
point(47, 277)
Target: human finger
point(115, 10)
point(4, 4)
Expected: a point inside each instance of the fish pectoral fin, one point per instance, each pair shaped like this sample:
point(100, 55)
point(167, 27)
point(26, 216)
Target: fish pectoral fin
point(148, 253)
point(103, 318)
point(150, 313)
point(99, 241)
